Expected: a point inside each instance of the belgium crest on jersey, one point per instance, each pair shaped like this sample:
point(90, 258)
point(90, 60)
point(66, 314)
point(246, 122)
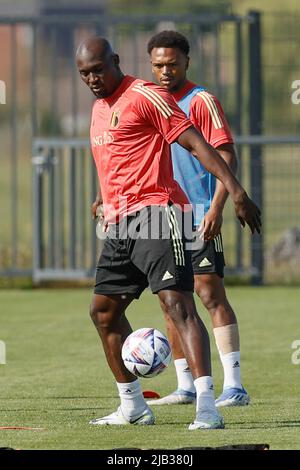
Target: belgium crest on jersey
point(115, 118)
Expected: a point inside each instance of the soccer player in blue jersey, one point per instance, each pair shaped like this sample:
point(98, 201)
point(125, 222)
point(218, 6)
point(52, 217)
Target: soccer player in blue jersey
point(169, 52)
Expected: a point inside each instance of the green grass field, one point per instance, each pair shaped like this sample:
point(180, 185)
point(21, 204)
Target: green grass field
point(56, 376)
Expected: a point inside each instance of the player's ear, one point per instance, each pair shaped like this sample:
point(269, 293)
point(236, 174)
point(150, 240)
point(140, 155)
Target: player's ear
point(116, 59)
point(187, 63)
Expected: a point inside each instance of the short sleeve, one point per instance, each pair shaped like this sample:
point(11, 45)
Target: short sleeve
point(207, 115)
point(158, 108)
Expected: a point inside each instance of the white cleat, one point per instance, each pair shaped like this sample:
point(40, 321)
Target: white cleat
point(179, 397)
point(118, 419)
point(233, 397)
point(207, 419)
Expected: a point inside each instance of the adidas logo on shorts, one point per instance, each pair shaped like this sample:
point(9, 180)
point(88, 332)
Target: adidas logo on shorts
point(205, 262)
point(167, 276)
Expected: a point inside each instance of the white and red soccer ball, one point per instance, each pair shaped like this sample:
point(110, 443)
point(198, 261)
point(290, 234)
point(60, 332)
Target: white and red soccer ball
point(146, 352)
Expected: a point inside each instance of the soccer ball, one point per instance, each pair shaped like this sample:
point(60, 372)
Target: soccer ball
point(146, 352)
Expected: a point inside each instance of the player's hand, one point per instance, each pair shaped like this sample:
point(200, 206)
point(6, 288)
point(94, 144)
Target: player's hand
point(102, 225)
point(211, 224)
point(248, 213)
point(98, 203)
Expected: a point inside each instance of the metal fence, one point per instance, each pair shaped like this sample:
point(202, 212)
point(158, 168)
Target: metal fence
point(45, 98)
point(64, 186)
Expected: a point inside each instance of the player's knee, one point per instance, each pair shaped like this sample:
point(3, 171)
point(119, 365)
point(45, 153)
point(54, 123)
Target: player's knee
point(174, 308)
point(169, 304)
point(99, 316)
point(197, 286)
point(94, 314)
point(208, 297)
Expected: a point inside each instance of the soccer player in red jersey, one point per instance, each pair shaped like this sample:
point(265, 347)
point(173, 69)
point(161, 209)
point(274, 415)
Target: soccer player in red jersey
point(169, 53)
point(133, 124)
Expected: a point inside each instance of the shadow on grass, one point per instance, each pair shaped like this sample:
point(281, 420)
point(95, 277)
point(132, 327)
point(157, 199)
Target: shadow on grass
point(267, 425)
point(81, 398)
point(38, 410)
point(62, 398)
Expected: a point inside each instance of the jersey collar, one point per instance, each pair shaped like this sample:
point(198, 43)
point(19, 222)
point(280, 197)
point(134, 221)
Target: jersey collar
point(127, 80)
point(188, 86)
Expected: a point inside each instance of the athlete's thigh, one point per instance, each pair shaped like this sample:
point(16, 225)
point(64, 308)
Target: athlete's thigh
point(116, 304)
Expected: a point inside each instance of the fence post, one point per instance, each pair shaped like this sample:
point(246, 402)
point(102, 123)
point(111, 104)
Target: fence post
point(38, 232)
point(255, 128)
point(239, 131)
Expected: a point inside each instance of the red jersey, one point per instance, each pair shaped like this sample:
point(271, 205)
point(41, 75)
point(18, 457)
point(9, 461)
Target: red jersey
point(130, 135)
point(207, 116)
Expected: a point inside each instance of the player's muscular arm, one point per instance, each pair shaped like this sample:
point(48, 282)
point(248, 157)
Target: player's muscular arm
point(228, 154)
point(212, 222)
point(245, 209)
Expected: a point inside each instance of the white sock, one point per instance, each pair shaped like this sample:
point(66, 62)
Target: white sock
point(205, 393)
point(132, 399)
point(232, 369)
point(185, 379)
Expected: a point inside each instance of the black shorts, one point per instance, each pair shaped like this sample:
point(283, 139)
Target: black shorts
point(209, 257)
point(146, 248)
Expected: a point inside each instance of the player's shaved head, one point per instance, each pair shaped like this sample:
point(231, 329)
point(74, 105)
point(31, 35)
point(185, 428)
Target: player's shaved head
point(94, 46)
point(98, 66)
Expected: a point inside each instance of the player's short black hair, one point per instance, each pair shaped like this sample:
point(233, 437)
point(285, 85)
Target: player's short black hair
point(169, 39)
